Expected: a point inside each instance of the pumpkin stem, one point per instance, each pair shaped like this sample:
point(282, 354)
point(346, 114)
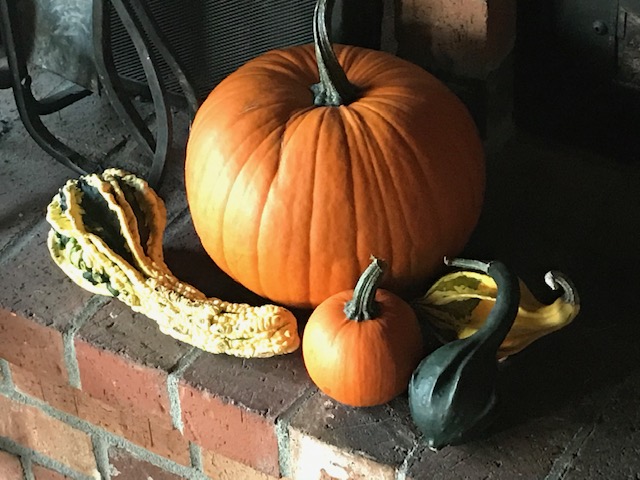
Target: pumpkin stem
point(363, 305)
point(334, 89)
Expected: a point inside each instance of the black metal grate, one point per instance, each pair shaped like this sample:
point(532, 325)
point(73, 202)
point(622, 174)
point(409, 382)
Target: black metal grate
point(212, 38)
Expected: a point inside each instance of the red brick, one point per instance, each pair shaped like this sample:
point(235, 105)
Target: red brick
point(42, 473)
point(169, 443)
point(32, 428)
point(222, 468)
point(58, 396)
point(10, 467)
point(147, 431)
point(114, 420)
point(143, 431)
point(123, 384)
point(468, 39)
point(125, 466)
point(313, 458)
point(26, 381)
point(32, 346)
point(229, 430)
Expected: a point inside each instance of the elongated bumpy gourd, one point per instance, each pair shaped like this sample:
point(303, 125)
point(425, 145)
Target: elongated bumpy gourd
point(107, 237)
point(292, 184)
point(452, 393)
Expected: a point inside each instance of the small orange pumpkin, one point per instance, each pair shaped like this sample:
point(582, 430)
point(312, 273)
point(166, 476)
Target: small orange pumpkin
point(360, 346)
point(292, 183)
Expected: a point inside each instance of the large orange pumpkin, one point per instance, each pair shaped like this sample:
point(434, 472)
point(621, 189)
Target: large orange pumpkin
point(291, 191)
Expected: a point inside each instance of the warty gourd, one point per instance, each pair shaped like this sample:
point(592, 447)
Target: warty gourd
point(106, 236)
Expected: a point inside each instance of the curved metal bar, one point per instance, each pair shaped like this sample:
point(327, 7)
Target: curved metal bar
point(62, 99)
point(27, 105)
point(162, 46)
point(5, 78)
point(110, 82)
point(135, 23)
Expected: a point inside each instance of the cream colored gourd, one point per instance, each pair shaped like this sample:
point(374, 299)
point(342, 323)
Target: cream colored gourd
point(107, 237)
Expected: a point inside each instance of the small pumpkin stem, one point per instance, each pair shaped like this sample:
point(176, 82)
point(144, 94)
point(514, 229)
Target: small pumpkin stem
point(363, 305)
point(334, 88)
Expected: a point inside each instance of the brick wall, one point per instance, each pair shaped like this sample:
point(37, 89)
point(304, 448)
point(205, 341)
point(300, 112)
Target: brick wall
point(89, 389)
point(121, 419)
point(469, 44)
point(72, 409)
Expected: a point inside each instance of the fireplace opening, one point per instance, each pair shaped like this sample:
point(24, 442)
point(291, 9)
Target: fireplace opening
point(577, 73)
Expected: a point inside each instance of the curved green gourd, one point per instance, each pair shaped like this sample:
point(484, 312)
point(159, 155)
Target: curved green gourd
point(452, 392)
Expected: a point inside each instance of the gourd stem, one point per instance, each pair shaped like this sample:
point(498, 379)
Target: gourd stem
point(467, 263)
point(363, 305)
point(558, 280)
point(334, 88)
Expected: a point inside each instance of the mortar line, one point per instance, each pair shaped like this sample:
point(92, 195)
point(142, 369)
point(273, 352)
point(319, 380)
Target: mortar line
point(566, 459)
point(101, 454)
point(403, 469)
point(27, 470)
point(114, 440)
point(92, 306)
point(21, 238)
point(32, 456)
point(283, 422)
point(195, 452)
point(173, 392)
point(7, 377)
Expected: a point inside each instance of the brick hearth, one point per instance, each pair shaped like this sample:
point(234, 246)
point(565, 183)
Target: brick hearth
point(90, 390)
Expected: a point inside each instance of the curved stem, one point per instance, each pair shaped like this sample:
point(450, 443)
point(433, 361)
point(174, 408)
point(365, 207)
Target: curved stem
point(363, 305)
point(557, 280)
point(467, 263)
point(334, 88)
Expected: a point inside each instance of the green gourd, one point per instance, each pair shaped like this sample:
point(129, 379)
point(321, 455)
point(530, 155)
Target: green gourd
point(452, 393)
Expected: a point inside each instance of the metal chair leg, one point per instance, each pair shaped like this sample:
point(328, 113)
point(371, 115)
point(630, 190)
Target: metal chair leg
point(141, 29)
point(17, 77)
point(162, 46)
point(144, 35)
